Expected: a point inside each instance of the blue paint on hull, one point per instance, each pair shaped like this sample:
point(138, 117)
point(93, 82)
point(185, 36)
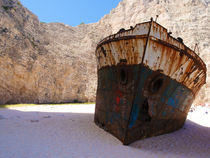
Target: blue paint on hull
point(173, 94)
point(134, 115)
point(132, 106)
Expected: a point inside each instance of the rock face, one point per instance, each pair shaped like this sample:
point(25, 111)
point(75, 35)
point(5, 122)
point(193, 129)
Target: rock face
point(42, 63)
point(55, 63)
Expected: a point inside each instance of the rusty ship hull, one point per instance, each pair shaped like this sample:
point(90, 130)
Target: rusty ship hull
point(147, 81)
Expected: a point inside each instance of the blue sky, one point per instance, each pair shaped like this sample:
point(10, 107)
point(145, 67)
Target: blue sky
point(71, 12)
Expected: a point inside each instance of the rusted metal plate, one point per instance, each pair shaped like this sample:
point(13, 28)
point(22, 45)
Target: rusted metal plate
point(111, 53)
point(147, 81)
point(163, 53)
point(175, 64)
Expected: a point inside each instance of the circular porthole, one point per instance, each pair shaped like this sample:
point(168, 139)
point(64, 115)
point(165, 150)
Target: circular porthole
point(156, 84)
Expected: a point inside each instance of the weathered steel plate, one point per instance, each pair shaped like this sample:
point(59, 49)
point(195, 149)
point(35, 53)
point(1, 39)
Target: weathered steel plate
point(147, 81)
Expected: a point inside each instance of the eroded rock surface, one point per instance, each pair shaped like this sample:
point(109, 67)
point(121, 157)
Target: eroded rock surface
point(55, 63)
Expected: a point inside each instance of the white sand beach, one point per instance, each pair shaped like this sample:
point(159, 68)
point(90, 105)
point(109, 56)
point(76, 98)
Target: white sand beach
point(68, 131)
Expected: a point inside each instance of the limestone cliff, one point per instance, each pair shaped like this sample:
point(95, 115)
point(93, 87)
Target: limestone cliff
point(42, 63)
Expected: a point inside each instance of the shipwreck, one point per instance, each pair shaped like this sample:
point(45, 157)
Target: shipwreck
point(147, 81)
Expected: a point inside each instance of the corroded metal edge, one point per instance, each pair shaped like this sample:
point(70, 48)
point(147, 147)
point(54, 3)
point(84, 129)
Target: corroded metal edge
point(180, 46)
point(117, 108)
point(194, 69)
point(156, 58)
point(128, 34)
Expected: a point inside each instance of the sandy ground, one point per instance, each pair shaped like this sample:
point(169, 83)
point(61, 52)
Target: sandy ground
point(68, 131)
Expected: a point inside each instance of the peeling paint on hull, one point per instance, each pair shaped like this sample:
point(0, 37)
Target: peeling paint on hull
point(147, 81)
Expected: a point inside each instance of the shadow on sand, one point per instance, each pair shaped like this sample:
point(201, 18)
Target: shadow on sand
point(65, 133)
point(191, 140)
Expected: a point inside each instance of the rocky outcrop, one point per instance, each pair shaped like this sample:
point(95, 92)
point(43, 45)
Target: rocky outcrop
point(21, 53)
point(41, 63)
point(54, 63)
